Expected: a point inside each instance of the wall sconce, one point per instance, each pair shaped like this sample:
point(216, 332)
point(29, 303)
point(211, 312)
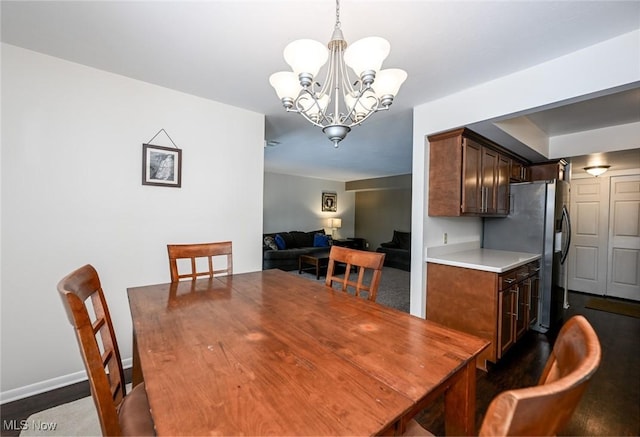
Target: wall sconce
point(334, 224)
point(596, 170)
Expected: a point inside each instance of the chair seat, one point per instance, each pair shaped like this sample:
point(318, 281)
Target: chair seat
point(415, 429)
point(134, 414)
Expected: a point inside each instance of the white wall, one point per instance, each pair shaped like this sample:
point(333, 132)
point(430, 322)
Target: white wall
point(611, 138)
point(380, 212)
point(71, 194)
point(609, 64)
point(294, 203)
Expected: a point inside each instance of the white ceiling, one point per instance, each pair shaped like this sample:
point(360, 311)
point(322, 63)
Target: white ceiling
point(226, 50)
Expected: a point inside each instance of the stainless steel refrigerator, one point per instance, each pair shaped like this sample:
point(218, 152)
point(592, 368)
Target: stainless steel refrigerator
point(538, 222)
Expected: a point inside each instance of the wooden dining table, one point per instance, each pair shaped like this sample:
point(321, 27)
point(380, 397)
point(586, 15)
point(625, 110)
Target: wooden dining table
point(271, 353)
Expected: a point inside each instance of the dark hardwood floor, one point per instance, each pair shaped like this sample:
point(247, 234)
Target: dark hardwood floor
point(610, 406)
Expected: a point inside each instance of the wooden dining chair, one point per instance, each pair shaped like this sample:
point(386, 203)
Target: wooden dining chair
point(196, 251)
point(545, 409)
point(119, 413)
point(363, 261)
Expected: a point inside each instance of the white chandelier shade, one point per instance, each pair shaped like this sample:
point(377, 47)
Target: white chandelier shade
point(338, 102)
point(389, 81)
point(285, 83)
point(306, 56)
point(367, 54)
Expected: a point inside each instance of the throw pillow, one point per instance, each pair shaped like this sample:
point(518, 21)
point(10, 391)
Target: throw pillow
point(320, 240)
point(270, 242)
point(280, 242)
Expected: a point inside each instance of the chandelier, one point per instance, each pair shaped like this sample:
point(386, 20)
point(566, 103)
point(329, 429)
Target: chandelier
point(336, 105)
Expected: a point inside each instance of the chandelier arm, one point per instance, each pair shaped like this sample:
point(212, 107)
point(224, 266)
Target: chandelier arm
point(369, 114)
point(347, 89)
point(306, 95)
point(344, 73)
point(330, 87)
point(311, 120)
point(327, 79)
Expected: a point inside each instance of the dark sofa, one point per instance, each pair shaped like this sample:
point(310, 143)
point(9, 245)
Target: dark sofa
point(397, 251)
point(293, 244)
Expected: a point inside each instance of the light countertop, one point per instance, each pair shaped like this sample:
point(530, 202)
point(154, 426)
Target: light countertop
point(489, 260)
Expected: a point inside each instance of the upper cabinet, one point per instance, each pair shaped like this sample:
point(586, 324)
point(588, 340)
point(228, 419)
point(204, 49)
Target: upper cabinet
point(468, 175)
point(548, 170)
point(520, 172)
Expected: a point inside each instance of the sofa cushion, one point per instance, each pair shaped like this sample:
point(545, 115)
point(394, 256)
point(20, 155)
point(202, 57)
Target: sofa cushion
point(304, 239)
point(289, 241)
point(402, 240)
point(301, 239)
point(280, 242)
point(293, 254)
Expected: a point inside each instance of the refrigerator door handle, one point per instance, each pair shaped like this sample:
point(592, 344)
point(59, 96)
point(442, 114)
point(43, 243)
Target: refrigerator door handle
point(567, 220)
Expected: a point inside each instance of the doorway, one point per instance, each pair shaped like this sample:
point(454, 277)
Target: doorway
point(605, 256)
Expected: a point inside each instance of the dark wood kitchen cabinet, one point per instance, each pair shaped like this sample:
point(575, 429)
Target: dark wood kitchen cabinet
point(548, 170)
point(520, 172)
point(498, 307)
point(471, 179)
point(505, 322)
point(489, 183)
point(502, 185)
point(468, 175)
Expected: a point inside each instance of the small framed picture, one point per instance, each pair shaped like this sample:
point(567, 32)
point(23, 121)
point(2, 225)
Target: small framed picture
point(329, 202)
point(161, 166)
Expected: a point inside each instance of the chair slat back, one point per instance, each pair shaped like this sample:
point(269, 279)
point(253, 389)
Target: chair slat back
point(97, 342)
point(545, 409)
point(363, 261)
point(200, 250)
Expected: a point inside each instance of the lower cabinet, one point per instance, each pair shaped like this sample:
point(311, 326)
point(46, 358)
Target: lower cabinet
point(506, 337)
point(535, 297)
point(497, 307)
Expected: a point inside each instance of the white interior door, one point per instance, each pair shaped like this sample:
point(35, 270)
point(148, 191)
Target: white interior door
point(587, 261)
point(624, 238)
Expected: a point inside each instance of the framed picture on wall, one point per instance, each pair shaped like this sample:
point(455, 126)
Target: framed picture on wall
point(329, 201)
point(161, 166)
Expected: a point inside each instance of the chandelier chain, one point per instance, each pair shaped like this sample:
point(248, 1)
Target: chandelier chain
point(337, 14)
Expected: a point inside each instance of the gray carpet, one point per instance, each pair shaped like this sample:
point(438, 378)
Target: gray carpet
point(77, 418)
point(393, 290)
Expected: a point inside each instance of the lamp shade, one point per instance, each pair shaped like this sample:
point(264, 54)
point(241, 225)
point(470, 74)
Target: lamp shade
point(335, 223)
point(306, 56)
point(367, 54)
point(388, 81)
point(286, 84)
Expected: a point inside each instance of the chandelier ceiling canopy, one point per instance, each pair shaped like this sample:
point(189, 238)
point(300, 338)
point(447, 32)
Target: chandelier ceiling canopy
point(337, 103)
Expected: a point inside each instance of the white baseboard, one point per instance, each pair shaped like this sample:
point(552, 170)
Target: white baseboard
point(48, 385)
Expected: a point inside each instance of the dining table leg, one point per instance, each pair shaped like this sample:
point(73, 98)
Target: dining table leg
point(460, 402)
point(136, 369)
